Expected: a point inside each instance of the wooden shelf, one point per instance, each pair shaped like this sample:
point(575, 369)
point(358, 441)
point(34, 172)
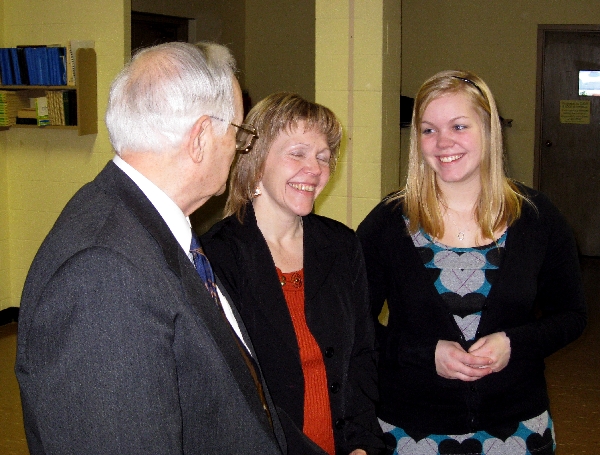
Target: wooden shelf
point(87, 94)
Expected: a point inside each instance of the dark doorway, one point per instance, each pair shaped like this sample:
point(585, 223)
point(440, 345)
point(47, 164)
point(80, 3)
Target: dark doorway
point(567, 151)
point(150, 29)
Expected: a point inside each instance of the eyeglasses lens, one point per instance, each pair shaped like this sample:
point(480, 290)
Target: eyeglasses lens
point(244, 138)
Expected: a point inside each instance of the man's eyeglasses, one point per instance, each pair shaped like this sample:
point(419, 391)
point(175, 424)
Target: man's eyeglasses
point(245, 137)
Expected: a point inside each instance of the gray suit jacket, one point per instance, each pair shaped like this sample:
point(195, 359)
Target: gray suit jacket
point(121, 349)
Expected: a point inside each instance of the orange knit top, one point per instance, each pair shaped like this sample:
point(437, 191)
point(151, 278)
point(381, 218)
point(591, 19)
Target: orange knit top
point(317, 411)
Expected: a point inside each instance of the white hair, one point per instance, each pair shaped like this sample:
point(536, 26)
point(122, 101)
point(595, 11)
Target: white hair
point(159, 95)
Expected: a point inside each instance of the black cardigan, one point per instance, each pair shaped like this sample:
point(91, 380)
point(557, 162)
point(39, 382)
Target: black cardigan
point(536, 298)
point(337, 313)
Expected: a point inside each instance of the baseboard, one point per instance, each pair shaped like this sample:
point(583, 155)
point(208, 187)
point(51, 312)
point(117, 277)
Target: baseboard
point(9, 315)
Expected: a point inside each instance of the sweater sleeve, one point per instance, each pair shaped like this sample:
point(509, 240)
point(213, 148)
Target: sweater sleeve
point(371, 233)
point(560, 306)
point(363, 428)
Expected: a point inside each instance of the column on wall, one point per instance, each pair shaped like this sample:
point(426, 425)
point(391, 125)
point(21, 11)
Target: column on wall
point(4, 257)
point(357, 75)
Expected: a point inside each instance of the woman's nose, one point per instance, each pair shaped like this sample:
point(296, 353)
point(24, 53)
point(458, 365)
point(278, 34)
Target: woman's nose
point(444, 140)
point(312, 165)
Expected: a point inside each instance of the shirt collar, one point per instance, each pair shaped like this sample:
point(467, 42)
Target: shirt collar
point(170, 212)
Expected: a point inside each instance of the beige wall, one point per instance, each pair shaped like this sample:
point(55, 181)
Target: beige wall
point(280, 47)
point(42, 169)
point(498, 41)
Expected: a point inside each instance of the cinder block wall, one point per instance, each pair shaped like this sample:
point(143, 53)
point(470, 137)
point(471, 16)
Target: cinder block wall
point(41, 169)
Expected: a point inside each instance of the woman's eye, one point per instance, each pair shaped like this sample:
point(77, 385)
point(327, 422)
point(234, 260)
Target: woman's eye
point(460, 127)
point(426, 131)
point(323, 158)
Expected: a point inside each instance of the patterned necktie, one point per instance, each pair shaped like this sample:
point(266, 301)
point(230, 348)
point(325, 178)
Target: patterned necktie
point(206, 273)
point(203, 266)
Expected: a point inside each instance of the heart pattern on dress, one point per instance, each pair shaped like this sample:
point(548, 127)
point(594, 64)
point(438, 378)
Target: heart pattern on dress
point(468, 325)
point(408, 446)
point(513, 445)
point(461, 273)
point(454, 447)
point(538, 424)
point(541, 444)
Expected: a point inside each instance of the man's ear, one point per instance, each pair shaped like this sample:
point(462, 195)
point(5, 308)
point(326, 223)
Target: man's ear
point(200, 138)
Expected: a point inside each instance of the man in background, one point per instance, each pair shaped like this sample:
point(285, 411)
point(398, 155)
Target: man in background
point(124, 346)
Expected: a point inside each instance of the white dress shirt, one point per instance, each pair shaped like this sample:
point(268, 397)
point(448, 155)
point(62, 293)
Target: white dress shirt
point(178, 223)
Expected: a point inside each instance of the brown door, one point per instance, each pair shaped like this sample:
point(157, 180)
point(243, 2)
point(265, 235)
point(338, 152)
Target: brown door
point(567, 165)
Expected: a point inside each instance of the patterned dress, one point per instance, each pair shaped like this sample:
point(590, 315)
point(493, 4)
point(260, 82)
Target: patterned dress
point(463, 278)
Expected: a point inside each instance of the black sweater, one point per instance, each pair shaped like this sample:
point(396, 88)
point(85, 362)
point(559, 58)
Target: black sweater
point(337, 313)
point(536, 299)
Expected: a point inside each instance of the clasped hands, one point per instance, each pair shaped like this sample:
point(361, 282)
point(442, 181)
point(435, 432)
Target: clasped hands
point(489, 354)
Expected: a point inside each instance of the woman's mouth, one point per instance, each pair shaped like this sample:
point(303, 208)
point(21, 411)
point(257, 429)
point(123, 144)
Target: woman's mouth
point(450, 159)
point(303, 187)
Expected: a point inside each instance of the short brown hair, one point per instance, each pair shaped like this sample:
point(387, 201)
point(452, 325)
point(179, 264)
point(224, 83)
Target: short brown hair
point(278, 112)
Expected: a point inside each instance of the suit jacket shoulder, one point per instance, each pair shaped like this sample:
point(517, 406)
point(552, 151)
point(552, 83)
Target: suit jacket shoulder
point(119, 329)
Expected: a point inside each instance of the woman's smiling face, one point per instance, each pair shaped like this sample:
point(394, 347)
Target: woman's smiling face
point(296, 171)
point(451, 139)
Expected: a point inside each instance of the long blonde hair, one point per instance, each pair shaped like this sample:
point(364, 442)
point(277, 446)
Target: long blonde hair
point(500, 200)
point(276, 113)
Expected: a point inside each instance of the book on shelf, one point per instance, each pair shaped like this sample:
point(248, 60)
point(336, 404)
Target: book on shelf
point(62, 107)
point(6, 70)
point(41, 108)
point(27, 116)
point(72, 47)
point(34, 65)
point(10, 103)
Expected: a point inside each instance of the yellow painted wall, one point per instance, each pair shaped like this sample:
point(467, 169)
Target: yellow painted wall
point(358, 77)
point(4, 251)
point(497, 39)
point(40, 169)
point(4, 234)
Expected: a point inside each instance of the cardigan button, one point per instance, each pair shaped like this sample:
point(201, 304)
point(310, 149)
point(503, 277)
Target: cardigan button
point(335, 387)
point(340, 423)
point(329, 352)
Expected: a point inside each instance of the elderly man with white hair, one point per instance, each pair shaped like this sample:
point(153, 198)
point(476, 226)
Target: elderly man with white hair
point(126, 343)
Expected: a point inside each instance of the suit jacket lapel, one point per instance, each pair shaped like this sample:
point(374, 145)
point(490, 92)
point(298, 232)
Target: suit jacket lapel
point(263, 282)
point(112, 179)
point(319, 258)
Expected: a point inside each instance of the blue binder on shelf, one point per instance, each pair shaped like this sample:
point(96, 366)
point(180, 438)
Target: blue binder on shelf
point(6, 71)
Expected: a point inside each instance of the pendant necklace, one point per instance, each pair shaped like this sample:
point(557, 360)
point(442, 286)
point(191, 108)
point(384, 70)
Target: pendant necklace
point(461, 232)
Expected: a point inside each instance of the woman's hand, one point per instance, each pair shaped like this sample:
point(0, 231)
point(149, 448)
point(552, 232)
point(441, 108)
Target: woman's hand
point(495, 347)
point(453, 362)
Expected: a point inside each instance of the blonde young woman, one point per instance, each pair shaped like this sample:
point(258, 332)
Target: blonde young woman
point(299, 281)
point(481, 277)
